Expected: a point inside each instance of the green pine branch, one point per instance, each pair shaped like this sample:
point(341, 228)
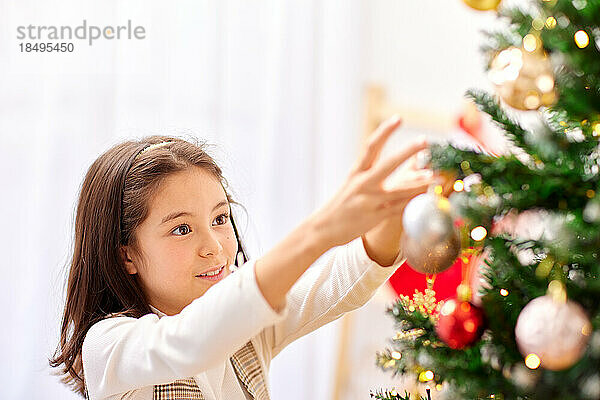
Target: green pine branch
point(490, 105)
point(561, 185)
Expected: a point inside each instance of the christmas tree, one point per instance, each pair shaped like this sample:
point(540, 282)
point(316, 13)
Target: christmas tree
point(525, 323)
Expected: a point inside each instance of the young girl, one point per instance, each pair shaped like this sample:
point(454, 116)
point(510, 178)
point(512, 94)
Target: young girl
point(162, 302)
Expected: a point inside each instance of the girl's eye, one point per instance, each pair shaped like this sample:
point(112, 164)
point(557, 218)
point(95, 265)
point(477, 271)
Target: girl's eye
point(181, 230)
point(184, 229)
point(223, 217)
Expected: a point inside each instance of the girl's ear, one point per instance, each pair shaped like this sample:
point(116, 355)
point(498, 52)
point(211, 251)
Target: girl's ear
point(129, 265)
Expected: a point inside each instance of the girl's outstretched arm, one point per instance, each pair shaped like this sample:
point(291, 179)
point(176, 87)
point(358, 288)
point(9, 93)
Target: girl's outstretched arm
point(361, 205)
point(342, 280)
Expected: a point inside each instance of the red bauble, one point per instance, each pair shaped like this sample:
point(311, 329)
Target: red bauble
point(460, 323)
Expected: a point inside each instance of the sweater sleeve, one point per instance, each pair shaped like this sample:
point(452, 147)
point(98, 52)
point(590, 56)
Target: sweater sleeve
point(342, 280)
point(124, 353)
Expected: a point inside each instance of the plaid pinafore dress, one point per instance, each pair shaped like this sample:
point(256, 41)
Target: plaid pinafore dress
point(247, 368)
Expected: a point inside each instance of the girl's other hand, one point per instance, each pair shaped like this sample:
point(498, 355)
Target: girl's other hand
point(364, 201)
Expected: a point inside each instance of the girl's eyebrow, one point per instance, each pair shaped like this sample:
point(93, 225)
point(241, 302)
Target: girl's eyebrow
point(177, 214)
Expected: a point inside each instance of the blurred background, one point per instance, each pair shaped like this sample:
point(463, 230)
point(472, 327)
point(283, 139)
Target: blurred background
point(285, 90)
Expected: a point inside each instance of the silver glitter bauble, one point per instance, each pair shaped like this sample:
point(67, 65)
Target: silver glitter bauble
point(556, 331)
point(430, 240)
point(431, 259)
point(427, 219)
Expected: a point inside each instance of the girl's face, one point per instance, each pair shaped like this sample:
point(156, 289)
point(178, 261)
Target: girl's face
point(187, 233)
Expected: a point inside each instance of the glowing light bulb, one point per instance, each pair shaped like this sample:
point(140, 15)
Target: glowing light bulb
point(545, 83)
point(426, 376)
point(532, 361)
point(550, 23)
point(532, 101)
point(448, 307)
point(478, 233)
point(459, 186)
point(538, 24)
point(530, 43)
point(581, 39)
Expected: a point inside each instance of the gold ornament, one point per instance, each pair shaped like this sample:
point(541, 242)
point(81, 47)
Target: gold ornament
point(483, 5)
point(523, 76)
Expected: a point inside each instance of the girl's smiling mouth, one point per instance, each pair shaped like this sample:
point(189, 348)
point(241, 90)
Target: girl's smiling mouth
point(213, 275)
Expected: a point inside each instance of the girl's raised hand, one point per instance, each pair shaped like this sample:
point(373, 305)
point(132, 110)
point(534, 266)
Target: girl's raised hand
point(362, 202)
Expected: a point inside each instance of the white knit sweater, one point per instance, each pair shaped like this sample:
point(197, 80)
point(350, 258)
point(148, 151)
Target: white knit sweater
point(125, 357)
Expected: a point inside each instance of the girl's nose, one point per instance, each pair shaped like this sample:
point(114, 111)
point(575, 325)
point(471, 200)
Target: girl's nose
point(209, 245)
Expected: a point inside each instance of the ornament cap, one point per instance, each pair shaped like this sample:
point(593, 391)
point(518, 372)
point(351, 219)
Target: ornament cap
point(557, 290)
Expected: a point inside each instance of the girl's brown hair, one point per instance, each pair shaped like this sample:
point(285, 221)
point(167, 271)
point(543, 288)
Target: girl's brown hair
point(113, 202)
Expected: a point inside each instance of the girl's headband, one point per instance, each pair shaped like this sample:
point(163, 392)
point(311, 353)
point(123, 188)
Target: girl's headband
point(239, 260)
point(152, 146)
point(145, 149)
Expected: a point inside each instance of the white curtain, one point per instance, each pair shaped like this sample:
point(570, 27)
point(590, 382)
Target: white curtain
point(275, 85)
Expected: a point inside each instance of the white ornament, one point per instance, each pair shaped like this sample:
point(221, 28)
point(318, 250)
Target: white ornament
point(556, 331)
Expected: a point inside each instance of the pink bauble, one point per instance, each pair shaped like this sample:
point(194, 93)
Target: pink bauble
point(557, 332)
